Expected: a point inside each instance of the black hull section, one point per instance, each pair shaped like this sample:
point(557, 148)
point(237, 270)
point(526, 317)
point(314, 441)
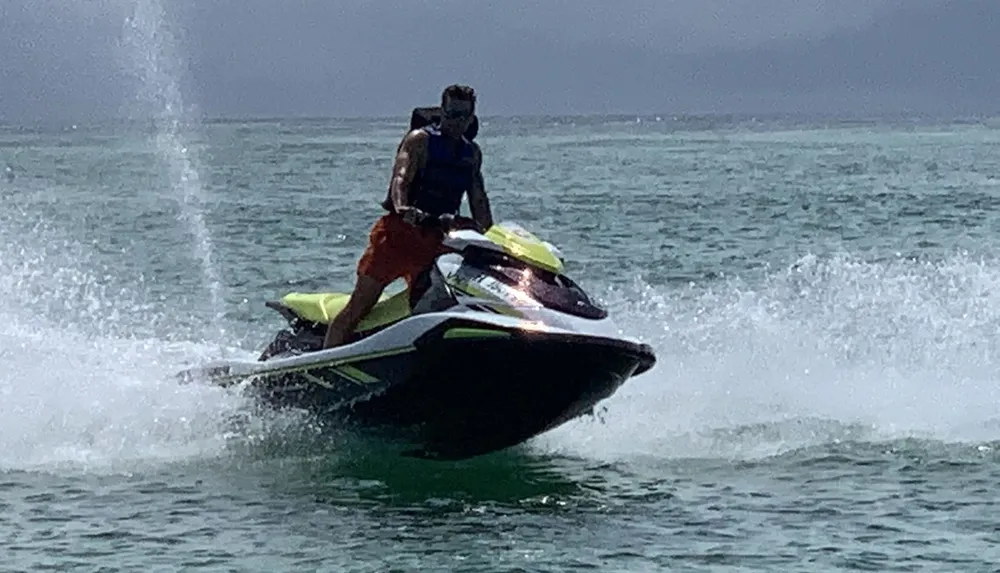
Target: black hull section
point(472, 397)
point(455, 398)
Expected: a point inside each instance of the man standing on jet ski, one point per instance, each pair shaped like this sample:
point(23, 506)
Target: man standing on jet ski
point(435, 167)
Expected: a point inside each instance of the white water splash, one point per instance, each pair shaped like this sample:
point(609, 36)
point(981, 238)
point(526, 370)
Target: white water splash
point(828, 350)
point(82, 385)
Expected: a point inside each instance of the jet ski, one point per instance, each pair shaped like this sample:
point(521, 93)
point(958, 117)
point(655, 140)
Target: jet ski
point(492, 346)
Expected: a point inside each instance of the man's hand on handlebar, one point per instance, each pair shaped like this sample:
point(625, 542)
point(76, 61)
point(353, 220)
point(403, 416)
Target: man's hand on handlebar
point(446, 223)
point(451, 222)
point(412, 215)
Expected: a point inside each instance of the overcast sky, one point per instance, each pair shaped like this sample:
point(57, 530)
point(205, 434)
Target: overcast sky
point(66, 60)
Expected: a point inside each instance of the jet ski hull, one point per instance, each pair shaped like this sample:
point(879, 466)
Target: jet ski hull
point(461, 390)
point(469, 396)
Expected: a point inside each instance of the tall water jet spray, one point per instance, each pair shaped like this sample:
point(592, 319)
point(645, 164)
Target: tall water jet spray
point(154, 55)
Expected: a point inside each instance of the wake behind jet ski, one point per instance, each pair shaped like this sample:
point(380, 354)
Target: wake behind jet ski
point(492, 346)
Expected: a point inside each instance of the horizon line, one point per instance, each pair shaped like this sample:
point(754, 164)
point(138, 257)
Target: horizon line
point(209, 119)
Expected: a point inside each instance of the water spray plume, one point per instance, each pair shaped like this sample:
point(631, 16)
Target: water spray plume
point(154, 54)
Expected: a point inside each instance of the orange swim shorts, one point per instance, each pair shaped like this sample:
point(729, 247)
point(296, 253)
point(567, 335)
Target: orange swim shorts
point(397, 249)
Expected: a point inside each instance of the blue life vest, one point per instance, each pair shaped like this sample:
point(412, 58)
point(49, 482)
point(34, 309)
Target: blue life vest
point(449, 172)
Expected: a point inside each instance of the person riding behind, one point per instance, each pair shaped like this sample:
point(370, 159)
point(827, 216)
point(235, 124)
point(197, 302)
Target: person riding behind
point(435, 167)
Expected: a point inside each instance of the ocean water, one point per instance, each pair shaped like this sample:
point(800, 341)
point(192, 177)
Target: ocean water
point(822, 296)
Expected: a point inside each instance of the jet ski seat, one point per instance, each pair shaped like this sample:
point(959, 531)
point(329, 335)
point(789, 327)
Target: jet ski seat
point(321, 307)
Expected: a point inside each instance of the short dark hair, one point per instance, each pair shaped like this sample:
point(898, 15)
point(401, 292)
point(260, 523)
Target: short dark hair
point(459, 92)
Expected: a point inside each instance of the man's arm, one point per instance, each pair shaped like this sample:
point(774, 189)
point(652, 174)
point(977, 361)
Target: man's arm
point(479, 203)
point(405, 167)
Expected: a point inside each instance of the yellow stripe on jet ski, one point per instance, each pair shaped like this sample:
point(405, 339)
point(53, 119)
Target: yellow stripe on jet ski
point(356, 375)
point(316, 380)
point(475, 333)
point(336, 364)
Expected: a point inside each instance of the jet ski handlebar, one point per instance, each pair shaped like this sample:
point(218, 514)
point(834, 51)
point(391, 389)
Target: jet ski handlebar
point(445, 223)
point(459, 223)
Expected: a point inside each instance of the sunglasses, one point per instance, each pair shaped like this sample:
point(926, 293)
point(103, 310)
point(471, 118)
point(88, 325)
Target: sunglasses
point(456, 113)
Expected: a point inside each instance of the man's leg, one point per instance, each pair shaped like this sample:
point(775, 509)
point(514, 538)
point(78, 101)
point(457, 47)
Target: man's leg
point(376, 269)
point(366, 294)
point(395, 249)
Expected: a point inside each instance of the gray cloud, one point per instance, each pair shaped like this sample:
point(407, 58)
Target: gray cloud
point(356, 57)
